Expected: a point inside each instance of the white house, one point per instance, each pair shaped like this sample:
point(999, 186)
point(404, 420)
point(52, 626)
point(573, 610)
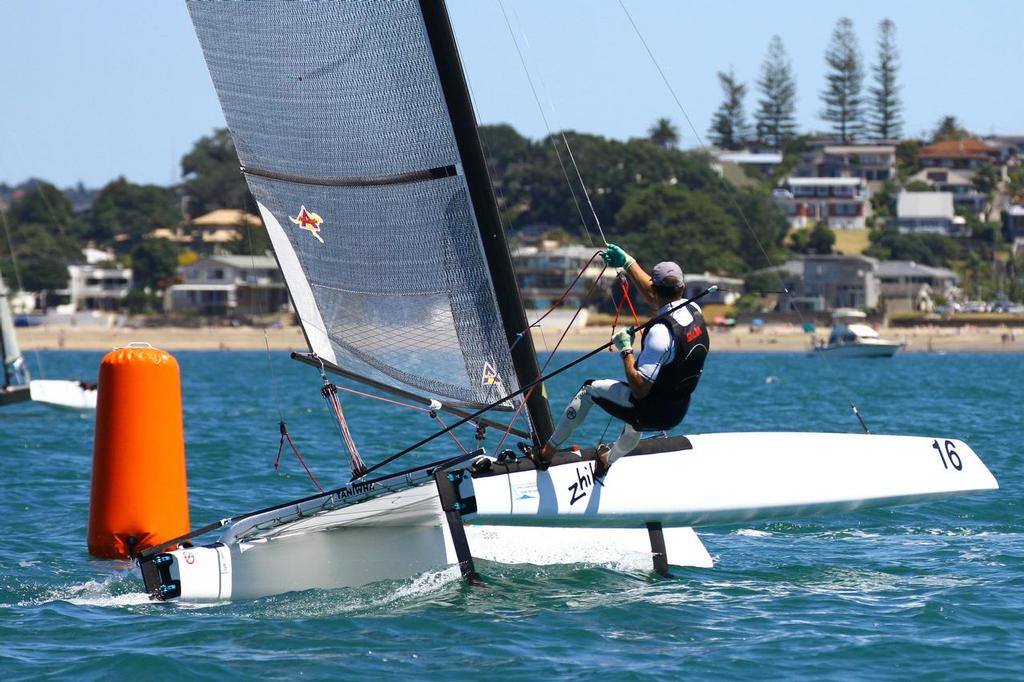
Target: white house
point(221, 285)
point(842, 203)
point(920, 212)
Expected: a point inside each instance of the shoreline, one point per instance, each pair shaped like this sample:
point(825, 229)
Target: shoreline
point(772, 338)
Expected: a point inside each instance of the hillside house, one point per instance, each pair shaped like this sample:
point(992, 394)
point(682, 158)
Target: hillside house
point(956, 182)
point(965, 154)
point(920, 212)
point(842, 203)
point(229, 285)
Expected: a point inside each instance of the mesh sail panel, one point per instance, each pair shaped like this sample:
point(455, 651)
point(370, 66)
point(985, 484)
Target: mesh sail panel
point(339, 119)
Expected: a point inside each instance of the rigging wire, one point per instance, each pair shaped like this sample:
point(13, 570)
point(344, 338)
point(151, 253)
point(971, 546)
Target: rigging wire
point(429, 410)
point(732, 200)
point(266, 338)
point(554, 144)
point(551, 355)
point(551, 104)
point(540, 380)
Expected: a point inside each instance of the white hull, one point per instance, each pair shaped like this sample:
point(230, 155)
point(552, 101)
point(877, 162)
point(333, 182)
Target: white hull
point(64, 393)
point(732, 478)
point(558, 516)
point(884, 349)
point(351, 557)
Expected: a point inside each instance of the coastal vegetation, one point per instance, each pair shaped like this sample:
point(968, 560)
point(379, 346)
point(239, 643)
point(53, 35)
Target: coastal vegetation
point(647, 194)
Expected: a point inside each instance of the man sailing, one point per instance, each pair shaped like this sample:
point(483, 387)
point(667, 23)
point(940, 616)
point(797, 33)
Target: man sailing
point(656, 393)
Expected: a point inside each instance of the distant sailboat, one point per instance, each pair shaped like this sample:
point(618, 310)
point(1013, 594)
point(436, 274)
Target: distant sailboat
point(358, 140)
point(18, 385)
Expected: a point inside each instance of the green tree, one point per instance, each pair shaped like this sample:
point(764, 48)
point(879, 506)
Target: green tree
point(949, 128)
point(663, 222)
point(819, 239)
point(154, 263)
point(883, 201)
point(842, 94)
point(1015, 182)
point(42, 204)
point(43, 263)
point(664, 133)
point(504, 147)
point(729, 128)
point(125, 209)
point(775, 117)
point(907, 152)
point(42, 250)
point(822, 239)
point(761, 224)
point(541, 193)
point(212, 176)
point(886, 120)
point(986, 180)
point(928, 249)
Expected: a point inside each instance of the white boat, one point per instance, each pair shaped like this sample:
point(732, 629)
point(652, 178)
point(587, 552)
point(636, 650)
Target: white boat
point(360, 147)
point(19, 386)
point(851, 339)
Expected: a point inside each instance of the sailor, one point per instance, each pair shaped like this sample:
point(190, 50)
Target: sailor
point(659, 381)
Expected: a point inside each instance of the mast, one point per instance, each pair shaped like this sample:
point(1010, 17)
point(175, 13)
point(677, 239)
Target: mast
point(499, 261)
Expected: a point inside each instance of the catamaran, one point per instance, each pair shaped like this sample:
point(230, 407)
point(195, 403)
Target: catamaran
point(19, 386)
point(357, 137)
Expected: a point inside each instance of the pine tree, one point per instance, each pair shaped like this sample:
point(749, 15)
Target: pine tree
point(842, 97)
point(886, 121)
point(664, 133)
point(729, 129)
point(775, 117)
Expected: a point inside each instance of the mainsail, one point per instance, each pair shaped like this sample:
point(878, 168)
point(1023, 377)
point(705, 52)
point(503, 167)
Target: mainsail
point(356, 136)
point(15, 372)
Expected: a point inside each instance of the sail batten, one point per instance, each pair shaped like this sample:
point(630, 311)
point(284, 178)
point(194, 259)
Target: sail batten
point(345, 137)
point(402, 178)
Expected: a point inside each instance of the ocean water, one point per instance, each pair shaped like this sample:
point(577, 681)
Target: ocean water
point(934, 590)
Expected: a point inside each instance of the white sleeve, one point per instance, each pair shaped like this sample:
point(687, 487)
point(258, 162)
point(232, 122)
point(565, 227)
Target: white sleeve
point(657, 351)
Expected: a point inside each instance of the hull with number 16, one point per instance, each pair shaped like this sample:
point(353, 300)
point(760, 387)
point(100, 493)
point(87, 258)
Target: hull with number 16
point(732, 478)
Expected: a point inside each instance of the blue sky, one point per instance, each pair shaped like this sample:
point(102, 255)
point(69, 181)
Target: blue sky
point(95, 89)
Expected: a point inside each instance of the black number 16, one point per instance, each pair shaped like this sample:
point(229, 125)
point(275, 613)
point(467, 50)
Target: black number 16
point(949, 454)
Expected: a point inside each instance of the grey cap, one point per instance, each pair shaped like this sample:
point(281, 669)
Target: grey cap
point(667, 274)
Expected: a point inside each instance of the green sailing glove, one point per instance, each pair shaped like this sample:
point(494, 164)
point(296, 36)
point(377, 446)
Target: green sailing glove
point(623, 340)
point(615, 257)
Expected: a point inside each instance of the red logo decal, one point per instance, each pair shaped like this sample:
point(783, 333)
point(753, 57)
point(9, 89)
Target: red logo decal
point(310, 222)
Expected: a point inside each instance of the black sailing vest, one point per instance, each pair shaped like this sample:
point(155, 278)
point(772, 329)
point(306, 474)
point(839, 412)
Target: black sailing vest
point(666, 403)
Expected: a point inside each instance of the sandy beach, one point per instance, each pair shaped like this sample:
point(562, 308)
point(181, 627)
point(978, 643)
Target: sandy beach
point(778, 338)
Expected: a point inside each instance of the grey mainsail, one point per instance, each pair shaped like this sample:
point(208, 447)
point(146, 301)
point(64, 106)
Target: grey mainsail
point(343, 129)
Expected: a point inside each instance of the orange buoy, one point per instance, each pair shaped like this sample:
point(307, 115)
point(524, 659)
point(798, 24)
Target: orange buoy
point(139, 490)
